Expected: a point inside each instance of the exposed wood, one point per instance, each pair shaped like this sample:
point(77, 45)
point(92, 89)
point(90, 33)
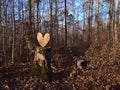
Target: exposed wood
point(42, 63)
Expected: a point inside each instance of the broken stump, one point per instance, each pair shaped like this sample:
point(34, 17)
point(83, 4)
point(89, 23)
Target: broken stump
point(42, 63)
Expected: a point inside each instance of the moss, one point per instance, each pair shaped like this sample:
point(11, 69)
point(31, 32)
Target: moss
point(44, 72)
point(35, 71)
point(40, 72)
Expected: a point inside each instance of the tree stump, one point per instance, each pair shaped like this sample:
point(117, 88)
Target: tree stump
point(42, 63)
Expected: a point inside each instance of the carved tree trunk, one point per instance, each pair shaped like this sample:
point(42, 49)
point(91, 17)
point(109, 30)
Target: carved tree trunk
point(42, 65)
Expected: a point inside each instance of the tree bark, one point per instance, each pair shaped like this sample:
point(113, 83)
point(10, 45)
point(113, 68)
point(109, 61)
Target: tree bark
point(30, 13)
point(51, 22)
point(20, 28)
point(97, 22)
point(116, 21)
point(89, 20)
point(41, 68)
point(110, 5)
point(65, 24)
point(56, 14)
point(13, 42)
point(0, 17)
point(37, 15)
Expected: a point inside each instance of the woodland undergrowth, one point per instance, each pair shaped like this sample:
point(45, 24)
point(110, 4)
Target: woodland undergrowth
point(103, 73)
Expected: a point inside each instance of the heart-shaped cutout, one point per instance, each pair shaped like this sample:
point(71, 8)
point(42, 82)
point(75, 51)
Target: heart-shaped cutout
point(43, 41)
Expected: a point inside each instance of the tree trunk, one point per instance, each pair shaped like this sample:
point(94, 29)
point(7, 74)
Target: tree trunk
point(13, 42)
point(65, 24)
point(20, 28)
point(84, 16)
point(22, 32)
point(116, 21)
point(89, 20)
point(42, 68)
point(97, 22)
point(110, 5)
point(38, 16)
point(30, 13)
point(0, 17)
point(4, 51)
point(51, 22)
point(92, 12)
point(56, 14)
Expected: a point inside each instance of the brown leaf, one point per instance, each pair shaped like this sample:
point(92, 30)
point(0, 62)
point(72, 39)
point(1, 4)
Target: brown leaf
point(5, 86)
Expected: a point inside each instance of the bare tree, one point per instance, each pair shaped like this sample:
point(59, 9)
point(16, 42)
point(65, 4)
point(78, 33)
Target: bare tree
point(97, 22)
point(20, 27)
point(0, 15)
point(38, 2)
point(13, 42)
point(65, 23)
point(3, 41)
point(110, 5)
point(50, 19)
point(30, 13)
point(116, 21)
point(89, 20)
point(56, 14)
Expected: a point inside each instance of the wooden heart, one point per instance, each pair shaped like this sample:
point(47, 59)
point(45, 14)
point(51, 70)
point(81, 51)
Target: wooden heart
point(43, 41)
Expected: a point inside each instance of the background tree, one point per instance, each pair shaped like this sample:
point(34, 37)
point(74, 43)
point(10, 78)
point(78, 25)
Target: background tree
point(50, 19)
point(57, 23)
point(13, 42)
point(38, 2)
point(110, 5)
point(65, 24)
point(116, 21)
point(97, 21)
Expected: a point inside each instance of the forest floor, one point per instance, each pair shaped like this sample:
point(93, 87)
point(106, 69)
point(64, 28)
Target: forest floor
point(103, 73)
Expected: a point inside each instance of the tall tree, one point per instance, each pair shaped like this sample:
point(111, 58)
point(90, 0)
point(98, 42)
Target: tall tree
point(0, 15)
point(3, 29)
point(50, 19)
point(97, 22)
point(92, 10)
point(13, 41)
point(84, 16)
point(110, 5)
point(89, 20)
point(20, 28)
point(56, 14)
point(30, 13)
point(31, 4)
point(116, 21)
point(38, 2)
point(6, 28)
point(65, 24)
